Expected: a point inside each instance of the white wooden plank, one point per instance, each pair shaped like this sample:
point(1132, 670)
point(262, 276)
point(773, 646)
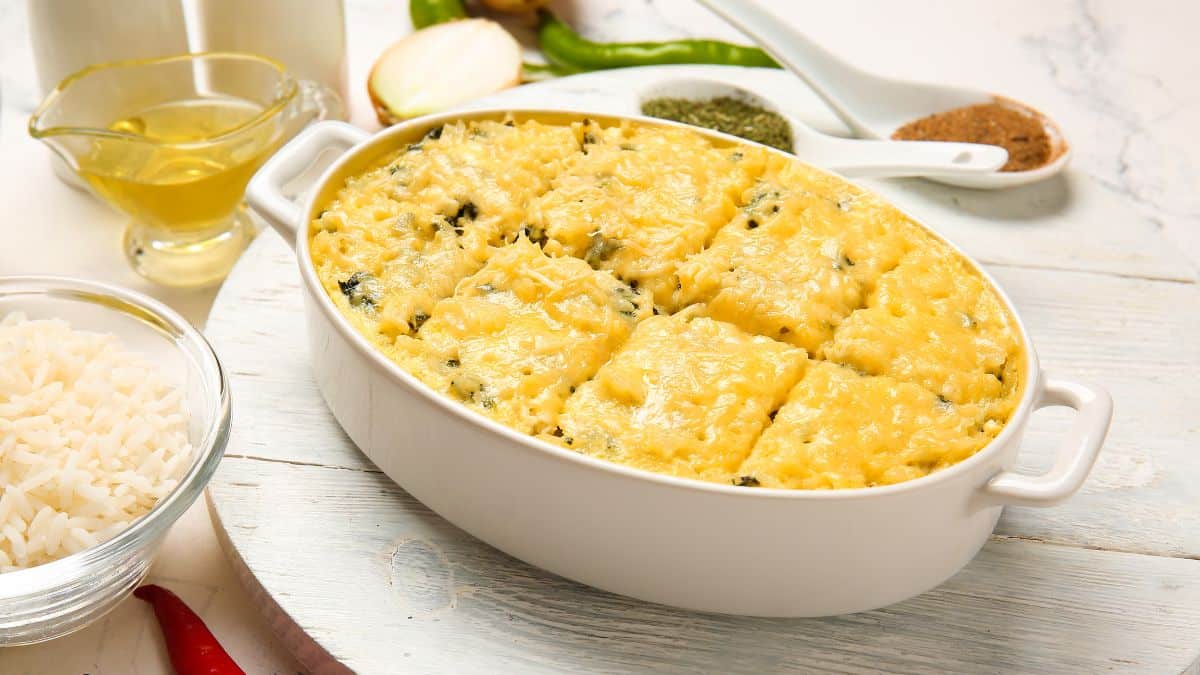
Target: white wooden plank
point(384, 585)
point(1135, 336)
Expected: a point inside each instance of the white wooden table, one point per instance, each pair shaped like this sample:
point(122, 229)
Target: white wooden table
point(1102, 265)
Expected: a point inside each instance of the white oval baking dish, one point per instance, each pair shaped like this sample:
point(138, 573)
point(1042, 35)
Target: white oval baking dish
point(702, 546)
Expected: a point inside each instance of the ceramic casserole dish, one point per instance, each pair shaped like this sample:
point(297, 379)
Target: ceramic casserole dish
point(691, 544)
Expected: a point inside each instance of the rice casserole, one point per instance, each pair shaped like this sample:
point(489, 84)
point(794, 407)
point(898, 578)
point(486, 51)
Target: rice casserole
point(650, 296)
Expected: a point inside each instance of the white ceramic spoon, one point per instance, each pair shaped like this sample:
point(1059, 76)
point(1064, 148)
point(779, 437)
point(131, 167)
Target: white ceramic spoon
point(874, 106)
point(893, 159)
point(853, 157)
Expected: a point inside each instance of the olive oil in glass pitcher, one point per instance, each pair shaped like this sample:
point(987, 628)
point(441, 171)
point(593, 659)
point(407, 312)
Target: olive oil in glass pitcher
point(172, 142)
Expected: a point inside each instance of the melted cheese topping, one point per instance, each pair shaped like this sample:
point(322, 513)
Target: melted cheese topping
point(515, 268)
point(934, 322)
point(822, 438)
point(642, 218)
point(518, 336)
point(835, 239)
point(685, 396)
point(423, 220)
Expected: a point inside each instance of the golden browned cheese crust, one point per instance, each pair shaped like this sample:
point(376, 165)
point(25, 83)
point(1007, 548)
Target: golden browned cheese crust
point(934, 322)
point(685, 395)
point(421, 221)
point(517, 337)
point(808, 335)
point(638, 201)
point(840, 429)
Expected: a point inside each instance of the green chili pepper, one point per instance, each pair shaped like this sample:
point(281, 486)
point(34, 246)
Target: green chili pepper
point(425, 13)
point(570, 51)
point(536, 72)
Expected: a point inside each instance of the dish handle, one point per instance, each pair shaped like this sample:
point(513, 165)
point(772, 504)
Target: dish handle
point(1076, 454)
point(267, 191)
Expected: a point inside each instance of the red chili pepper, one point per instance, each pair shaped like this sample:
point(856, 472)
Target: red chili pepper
point(192, 648)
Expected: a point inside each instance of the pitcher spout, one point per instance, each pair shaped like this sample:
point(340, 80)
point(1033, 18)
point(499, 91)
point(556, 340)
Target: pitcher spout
point(75, 114)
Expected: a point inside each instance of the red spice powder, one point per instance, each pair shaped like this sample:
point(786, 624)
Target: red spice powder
point(1021, 134)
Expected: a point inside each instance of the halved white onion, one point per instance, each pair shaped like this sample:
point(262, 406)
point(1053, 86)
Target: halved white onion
point(442, 66)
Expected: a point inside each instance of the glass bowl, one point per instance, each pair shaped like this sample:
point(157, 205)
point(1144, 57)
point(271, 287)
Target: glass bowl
point(62, 596)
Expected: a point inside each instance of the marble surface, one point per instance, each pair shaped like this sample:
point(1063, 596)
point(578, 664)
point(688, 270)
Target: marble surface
point(1118, 76)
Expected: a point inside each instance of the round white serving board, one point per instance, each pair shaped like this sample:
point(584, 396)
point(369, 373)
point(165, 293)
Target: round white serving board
point(356, 575)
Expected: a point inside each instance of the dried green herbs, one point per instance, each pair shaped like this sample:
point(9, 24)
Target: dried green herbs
point(600, 249)
point(467, 212)
point(625, 300)
point(360, 289)
point(417, 320)
point(471, 388)
point(534, 234)
point(728, 115)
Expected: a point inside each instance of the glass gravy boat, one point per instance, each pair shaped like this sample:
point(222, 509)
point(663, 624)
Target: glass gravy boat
point(171, 142)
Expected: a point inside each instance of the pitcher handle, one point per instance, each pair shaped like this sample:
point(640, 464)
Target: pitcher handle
point(321, 99)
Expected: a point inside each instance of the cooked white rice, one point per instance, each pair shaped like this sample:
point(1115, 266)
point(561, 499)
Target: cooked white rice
point(91, 437)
